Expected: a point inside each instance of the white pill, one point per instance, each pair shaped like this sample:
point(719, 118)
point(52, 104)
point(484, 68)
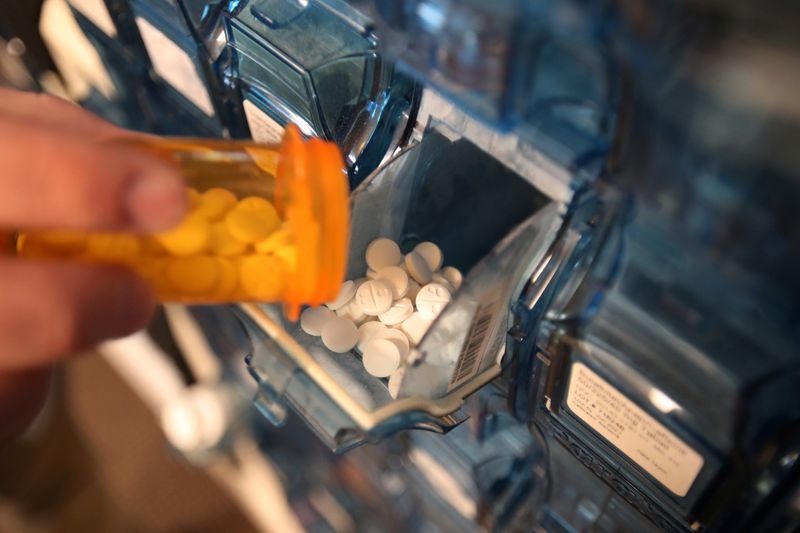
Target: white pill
point(314, 318)
point(418, 267)
point(415, 327)
point(431, 253)
point(375, 297)
point(352, 311)
point(395, 380)
point(381, 358)
point(432, 298)
point(346, 294)
point(454, 276)
point(339, 335)
point(441, 280)
point(368, 331)
point(397, 337)
point(398, 312)
point(397, 278)
point(413, 290)
point(382, 253)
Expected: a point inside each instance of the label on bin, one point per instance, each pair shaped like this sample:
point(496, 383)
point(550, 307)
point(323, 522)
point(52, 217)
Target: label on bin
point(97, 12)
point(625, 425)
point(175, 66)
point(263, 128)
point(476, 346)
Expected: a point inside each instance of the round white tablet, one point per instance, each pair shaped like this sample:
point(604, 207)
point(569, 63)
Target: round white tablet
point(398, 312)
point(368, 331)
point(418, 267)
point(314, 318)
point(413, 290)
point(346, 294)
point(339, 335)
point(395, 380)
point(432, 298)
point(415, 327)
point(352, 311)
point(431, 253)
point(441, 280)
point(375, 297)
point(397, 278)
point(454, 276)
point(397, 337)
point(381, 358)
point(382, 253)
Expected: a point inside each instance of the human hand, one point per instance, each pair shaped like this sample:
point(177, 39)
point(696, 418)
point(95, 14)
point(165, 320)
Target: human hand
point(54, 173)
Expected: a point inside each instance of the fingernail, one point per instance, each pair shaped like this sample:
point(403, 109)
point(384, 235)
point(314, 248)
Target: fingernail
point(156, 201)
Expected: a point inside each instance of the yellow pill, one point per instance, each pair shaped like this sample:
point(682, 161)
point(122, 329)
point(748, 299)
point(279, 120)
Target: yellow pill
point(214, 203)
point(192, 276)
point(262, 277)
point(223, 243)
point(228, 279)
point(113, 248)
point(251, 227)
point(194, 197)
point(255, 203)
point(192, 236)
point(282, 237)
point(64, 241)
point(288, 254)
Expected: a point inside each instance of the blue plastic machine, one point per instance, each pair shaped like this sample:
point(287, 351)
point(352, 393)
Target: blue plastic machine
point(617, 180)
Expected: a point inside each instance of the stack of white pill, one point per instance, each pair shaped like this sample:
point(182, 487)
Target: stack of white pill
point(386, 313)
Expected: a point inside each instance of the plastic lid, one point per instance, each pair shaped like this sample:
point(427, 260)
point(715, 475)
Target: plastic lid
point(312, 195)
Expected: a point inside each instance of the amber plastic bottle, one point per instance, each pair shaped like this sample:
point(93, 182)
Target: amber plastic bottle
point(267, 223)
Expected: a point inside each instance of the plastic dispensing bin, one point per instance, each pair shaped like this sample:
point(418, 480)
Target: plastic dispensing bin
point(490, 223)
point(257, 229)
point(311, 65)
point(186, 87)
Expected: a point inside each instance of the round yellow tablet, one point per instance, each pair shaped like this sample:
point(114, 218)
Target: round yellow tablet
point(255, 203)
point(193, 276)
point(288, 254)
point(113, 248)
point(192, 236)
point(194, 197)
point(282, 237)
point(214, 203)
point(223, 243)
point(262, 277)
point(228, 278)
point(63, 241)
point(251, 226)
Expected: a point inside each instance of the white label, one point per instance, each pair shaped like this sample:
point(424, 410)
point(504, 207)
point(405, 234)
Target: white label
point(97, 12)
point(481, 330)
point(263, 128)
point(634, 432)
point(175, 66)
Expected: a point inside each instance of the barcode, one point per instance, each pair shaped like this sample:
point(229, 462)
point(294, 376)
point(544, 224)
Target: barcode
point(470, 354)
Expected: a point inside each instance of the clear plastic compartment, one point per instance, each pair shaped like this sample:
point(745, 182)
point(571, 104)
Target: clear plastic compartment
point(310, 64)
point(489, 223)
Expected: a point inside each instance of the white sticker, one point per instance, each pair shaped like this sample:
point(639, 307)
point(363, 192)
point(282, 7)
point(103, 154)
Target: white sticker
point(263, 128)
point(97, 12)
point(175, 66)
point(634, 432)
point(474, 351)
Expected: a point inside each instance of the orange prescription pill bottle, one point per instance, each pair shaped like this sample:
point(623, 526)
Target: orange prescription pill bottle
point(267, 223)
